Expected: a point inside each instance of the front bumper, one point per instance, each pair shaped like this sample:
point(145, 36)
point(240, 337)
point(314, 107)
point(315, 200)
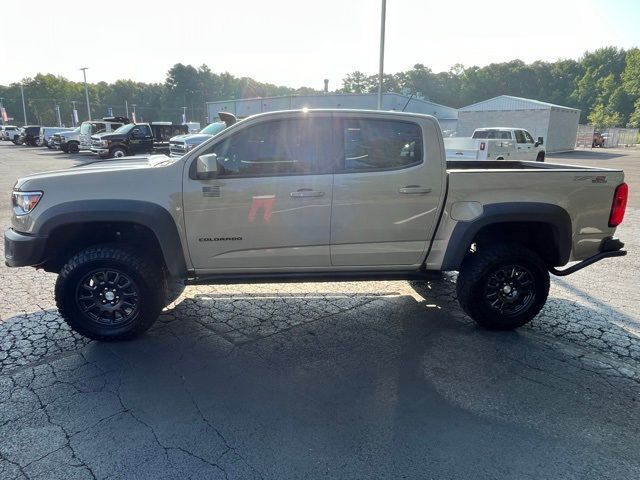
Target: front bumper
point(100, 151)
point(22, 250)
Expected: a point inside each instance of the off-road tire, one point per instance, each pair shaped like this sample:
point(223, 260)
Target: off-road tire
point(148, 284)
point(540, 157)
point(475, 286)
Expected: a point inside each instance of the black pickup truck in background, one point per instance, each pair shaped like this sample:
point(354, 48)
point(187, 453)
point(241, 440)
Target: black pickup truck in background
point(136, 139)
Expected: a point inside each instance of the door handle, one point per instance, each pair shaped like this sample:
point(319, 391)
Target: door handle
point(306, 193)
point(414, 190)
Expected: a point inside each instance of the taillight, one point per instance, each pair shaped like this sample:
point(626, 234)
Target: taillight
point(619, 205)
point(482, 145)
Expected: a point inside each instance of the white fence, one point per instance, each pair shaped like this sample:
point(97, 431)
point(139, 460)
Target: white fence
point(614, 137)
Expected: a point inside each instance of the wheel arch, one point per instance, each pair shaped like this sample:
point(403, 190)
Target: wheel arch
point(544, 228)
point(79, 224)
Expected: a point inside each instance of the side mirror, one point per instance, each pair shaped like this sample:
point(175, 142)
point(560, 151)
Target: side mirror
point(540, 141)
point(207, 166)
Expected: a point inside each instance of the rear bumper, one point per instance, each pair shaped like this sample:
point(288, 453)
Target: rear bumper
point(610, 247)
point(21, 250)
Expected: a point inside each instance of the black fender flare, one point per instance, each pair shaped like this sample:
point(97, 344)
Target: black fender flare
point(153, 216)
point(555, 216)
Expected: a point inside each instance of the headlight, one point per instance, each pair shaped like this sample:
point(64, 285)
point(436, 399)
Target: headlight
point(190, 146)
point(25, 202)
point(62, 139)
point(104, 143)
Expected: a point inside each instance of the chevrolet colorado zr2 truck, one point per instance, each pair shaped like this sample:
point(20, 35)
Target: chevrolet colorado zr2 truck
point(317, 195)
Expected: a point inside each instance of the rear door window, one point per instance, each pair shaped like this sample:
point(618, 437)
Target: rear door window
point(371, 144)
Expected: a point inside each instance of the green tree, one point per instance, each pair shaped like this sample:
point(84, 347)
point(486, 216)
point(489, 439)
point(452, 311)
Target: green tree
point(601, 117)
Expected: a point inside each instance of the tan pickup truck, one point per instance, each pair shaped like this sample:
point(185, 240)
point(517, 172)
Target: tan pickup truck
point(302, 196)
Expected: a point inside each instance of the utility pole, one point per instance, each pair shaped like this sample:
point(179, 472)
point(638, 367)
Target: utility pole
point(24, 109)
point(126, 107)
point(1, 116)
point(184, 114)
point(86, 90)
point(135, 120)
point(381, 73)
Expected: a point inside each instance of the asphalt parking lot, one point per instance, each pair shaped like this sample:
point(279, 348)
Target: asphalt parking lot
point(349, 380)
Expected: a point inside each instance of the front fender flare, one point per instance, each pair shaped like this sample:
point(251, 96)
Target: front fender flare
point(153, 216)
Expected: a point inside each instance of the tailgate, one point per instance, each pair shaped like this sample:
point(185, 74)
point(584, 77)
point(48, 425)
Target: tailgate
point(462, 149)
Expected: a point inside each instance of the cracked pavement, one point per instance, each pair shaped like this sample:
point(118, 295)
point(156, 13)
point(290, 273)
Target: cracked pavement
point(349, 380)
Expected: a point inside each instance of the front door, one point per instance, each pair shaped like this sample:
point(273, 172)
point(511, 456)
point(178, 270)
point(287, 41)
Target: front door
point(386, 192)
point(269, 205)
point(140, 140)
point(525, 150)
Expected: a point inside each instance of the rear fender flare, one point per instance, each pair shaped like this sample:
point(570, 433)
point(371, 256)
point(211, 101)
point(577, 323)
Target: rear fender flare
point(555, 216)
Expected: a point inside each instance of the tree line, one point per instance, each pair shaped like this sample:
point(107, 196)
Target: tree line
point(604, 85)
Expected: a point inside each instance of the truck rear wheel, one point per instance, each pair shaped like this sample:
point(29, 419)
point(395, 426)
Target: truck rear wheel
point(503, 286)
point(109, 293)
point(540, 157)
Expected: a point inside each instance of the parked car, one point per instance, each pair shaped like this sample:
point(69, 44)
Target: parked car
point(181, 144)
point(30, 135)
point(329, 195)
point(496, 143)
point(94, 127)
point(46, 135)
point(7, 132)
point(136, 139)
point(68, 142)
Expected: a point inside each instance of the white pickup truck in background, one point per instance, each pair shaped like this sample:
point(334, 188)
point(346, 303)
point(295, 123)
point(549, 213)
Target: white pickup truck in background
point(495, 143)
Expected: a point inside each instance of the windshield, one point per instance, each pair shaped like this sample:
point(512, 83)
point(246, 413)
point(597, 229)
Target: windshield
point(124, 128)
point(214, 128)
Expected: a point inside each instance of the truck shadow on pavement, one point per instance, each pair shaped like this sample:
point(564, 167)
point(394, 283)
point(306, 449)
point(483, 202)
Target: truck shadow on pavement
point(310, 383)
point(594, 154)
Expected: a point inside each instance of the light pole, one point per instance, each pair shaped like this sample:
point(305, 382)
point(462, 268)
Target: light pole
point(184, 114)
point(24, 109)
point(74, 114)
point(86, 90)
point(381, 73)
point(57, 107)
point(1, 111)
point(135, 120)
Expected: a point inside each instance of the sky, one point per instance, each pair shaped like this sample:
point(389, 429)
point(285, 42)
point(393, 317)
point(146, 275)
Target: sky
point(299, 43)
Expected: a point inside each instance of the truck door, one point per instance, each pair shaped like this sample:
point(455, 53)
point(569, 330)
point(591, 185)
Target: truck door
point(386, 192)
point(269, 204)
point(140, 140)
point(525, 150)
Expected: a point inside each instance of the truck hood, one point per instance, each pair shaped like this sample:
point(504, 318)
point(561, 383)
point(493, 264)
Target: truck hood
point(108, 136)
point(40, 181)
point(192, 138)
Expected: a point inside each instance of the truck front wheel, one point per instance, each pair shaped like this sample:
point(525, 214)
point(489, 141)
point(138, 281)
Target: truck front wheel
point(109, 293)
point(117, 152)
point(503, 286)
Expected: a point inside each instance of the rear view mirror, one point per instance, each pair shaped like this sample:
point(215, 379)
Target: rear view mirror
point(207, 166)
point(540, 141)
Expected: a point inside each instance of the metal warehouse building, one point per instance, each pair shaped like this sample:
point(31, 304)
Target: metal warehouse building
point(557, 124)
point(447, 116)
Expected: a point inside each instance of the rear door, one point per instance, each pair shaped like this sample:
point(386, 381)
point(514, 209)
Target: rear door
point(386, 191)
point(269, 205)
